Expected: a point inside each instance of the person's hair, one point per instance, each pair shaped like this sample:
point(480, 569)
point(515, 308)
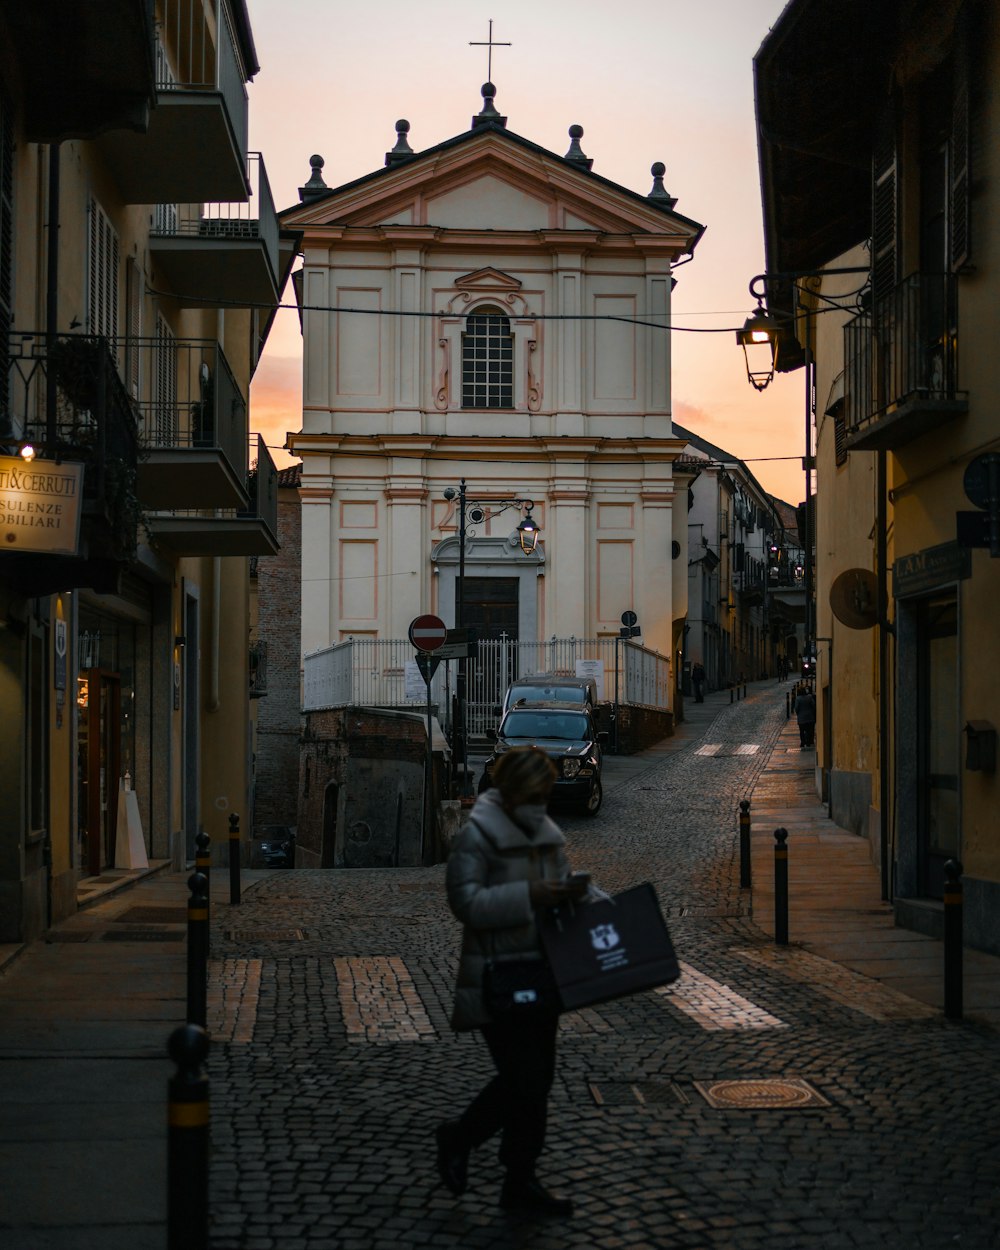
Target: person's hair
point(523, 771)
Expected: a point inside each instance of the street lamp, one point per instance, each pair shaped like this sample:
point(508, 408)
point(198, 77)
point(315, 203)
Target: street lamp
point(759, 340)
point(527, 534)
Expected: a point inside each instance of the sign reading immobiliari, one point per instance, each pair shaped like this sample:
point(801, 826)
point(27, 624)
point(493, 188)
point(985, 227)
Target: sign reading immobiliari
point(40, 505)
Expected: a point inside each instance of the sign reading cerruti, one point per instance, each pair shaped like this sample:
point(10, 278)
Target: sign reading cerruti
point(40, 505)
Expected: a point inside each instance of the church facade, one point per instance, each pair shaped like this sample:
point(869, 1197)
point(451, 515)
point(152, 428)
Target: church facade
point(489, 311)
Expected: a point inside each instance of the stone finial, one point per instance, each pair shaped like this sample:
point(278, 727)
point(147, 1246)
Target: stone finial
point(315, 187)
point(576, 155)
point(659, 192)
point(489, 113)
point(402, 149)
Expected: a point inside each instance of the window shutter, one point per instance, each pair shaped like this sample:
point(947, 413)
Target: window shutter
point(133, 325)
point(840, 437)
point(165, 387)
point(884, 205)
point(958, 172)
point(103, 263)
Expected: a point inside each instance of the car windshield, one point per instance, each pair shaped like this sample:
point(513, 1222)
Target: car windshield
point(533, 725)
point(548, 694)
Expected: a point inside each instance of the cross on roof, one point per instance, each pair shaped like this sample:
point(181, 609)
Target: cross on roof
point(491, 44)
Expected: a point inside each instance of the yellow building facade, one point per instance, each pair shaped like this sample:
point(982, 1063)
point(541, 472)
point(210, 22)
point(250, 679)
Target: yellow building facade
point(883, 243)
point(140, 262)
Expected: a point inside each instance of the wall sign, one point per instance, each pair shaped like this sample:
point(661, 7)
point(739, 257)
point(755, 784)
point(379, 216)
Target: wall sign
point(40, 505)
point(928, 569)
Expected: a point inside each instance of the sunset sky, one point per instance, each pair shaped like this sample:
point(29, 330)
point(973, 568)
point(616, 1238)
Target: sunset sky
point(647, 79)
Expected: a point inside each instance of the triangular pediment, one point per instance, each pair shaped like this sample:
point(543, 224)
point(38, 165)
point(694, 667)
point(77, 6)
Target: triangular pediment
point(487, 279)
point(490, 179)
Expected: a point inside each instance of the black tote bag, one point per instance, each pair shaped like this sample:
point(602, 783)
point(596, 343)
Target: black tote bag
point(603, 950)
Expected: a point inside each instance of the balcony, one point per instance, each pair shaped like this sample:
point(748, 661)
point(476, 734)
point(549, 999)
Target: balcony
point(90, 67)
point(192, 421)
point(66, 398)
point(202, 251)
point(901, 365)
point(250, 530)
point(258, 668)
point(195, 148)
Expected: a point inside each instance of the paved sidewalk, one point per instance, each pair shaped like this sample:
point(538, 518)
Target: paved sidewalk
point(835, 896)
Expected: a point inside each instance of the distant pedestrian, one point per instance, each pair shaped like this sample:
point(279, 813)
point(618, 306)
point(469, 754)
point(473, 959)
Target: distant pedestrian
point(507, 864)
point(805, 714)
point(698, 678)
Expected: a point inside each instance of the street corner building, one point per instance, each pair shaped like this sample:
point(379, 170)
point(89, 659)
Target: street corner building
point(141, 260)
point(489, 312)
point(879, 133)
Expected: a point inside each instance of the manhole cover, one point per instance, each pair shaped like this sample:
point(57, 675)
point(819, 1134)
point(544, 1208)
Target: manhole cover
point(142, 935)
point(265, 935)
point(153, 915)
point(782, 1094)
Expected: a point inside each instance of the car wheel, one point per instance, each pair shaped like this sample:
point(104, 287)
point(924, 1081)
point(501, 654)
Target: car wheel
point(593, 804)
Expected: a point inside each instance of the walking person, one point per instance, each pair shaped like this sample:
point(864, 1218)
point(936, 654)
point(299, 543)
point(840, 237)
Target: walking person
point(698, 678)
point(507, 864)
point(805, 714)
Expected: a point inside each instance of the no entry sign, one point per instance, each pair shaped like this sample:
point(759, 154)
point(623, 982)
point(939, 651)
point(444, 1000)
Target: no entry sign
point(427, 633)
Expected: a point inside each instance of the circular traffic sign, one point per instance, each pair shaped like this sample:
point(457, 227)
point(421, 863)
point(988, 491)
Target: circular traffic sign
point(629, 618)
point(982, 476)
point(427, 633)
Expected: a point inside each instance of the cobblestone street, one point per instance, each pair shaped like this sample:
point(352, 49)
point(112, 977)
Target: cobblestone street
point(332, 1061)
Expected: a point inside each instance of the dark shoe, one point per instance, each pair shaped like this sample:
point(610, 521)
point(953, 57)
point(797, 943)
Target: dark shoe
point(530, 1197)
point(452, 1157)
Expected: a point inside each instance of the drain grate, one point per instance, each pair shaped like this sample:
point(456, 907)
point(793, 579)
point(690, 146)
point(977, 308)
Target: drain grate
point(775, 1094)
point(265, 935)
point(142, 935)
point(69, 935)
point(153, 915)
point(636, 1093)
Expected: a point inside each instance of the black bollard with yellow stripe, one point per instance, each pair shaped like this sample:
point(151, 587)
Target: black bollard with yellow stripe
point(234, 858)
point(203, 864)
point(187, 1141)
point(197, 950)
point(745, 844)
point(953, 940)
point(781, 887)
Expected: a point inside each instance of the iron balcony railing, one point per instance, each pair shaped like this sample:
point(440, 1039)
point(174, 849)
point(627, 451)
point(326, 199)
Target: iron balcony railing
point(255, 218)
point(185, 396)
point(258, 669)
point(903, 350)
point(64, 395)
point(262, 487)
point(195, 54)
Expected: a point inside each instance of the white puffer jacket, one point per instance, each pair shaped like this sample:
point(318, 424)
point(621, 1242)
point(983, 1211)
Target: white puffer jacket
point(490, 869)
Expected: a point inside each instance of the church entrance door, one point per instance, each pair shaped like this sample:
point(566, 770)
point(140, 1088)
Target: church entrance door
point(491, 607)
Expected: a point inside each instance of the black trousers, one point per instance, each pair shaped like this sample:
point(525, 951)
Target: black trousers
point(515, 1102)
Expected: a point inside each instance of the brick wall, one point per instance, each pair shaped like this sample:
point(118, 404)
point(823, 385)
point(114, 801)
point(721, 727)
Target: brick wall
point(279, 624)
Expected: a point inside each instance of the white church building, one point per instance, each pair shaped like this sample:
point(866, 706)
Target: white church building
point(488, 310)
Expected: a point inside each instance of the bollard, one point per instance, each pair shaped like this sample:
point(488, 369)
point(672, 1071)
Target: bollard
point(203, 864)
point(781, 887)
point(197, 950)
point(187, 1141)
point(234, 858)
point(730, 694)
point(788, 705)
point(745, 844)
point(953, 940)
point(744, 690)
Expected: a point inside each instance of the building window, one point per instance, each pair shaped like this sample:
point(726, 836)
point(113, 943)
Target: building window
point(487, 361)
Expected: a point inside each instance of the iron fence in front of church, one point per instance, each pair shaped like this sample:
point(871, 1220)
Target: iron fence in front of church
point(377, 672)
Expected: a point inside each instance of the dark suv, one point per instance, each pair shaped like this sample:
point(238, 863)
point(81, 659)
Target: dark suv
point(569, 737)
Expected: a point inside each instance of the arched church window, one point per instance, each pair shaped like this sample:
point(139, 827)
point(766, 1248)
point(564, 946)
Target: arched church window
point(487, 360)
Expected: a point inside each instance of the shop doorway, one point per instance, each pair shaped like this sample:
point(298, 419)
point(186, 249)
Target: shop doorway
point(99, 765)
